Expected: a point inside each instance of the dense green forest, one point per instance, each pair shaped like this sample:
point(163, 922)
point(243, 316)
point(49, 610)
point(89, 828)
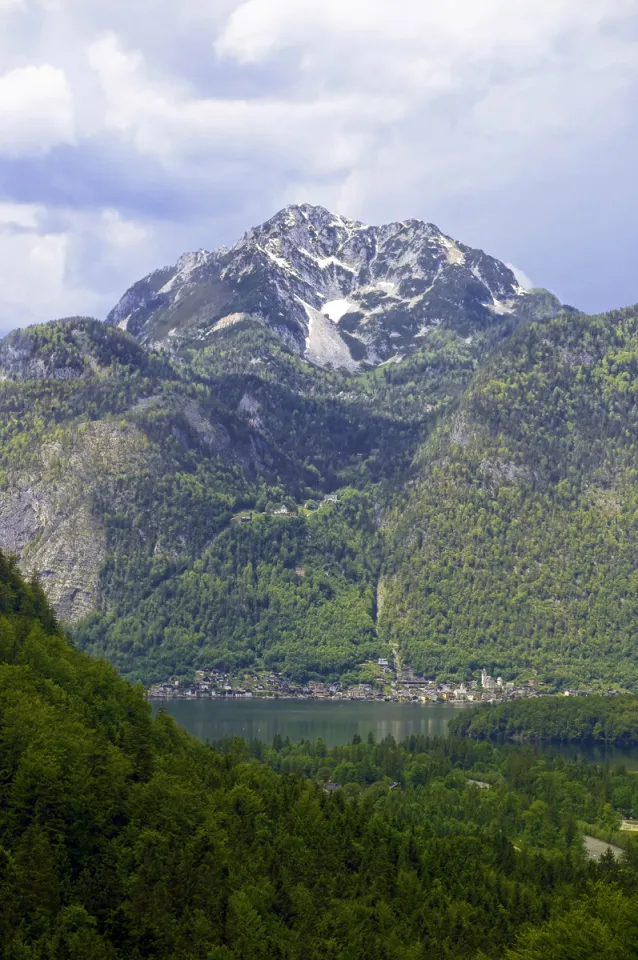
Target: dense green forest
point(122, 837)
point(486, 515)
point(591, 719)
point(518, 546)
point(295, 594)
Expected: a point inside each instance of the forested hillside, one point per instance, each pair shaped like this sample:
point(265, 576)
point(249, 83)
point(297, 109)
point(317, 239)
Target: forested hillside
point(518, 546)
point(121, 838)
point(485, 500)
point(124, 469)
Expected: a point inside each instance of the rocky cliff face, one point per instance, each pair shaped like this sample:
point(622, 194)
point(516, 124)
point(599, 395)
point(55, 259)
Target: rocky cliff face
point(340, 293)
point(46, 515)
point(90, 425)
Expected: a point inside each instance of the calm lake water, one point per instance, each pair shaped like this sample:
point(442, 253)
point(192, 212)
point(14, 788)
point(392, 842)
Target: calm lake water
point(337, 722)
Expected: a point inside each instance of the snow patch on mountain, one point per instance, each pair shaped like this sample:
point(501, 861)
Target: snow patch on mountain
point(276, 258)
point(500, 308)
point(336, 309)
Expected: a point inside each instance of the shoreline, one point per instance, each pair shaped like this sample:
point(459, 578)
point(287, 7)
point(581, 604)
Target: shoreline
point(154, 698)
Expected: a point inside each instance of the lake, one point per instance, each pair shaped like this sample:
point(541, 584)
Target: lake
point(335, 722)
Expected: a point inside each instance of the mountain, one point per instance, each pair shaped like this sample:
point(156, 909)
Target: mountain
point(218, 498)
point(123, 473)
point(517, 543)
point(339, 293)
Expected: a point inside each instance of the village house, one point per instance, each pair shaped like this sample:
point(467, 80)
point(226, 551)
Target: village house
point(488, 683)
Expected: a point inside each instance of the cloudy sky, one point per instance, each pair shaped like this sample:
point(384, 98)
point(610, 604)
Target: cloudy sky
point(133, 131)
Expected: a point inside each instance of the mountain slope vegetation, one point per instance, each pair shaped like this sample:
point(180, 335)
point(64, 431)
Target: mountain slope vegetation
point(519, 543)
point(488, 501)
point(121, 483)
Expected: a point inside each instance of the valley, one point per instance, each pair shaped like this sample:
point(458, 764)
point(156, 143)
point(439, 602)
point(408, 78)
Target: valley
point(124, 836)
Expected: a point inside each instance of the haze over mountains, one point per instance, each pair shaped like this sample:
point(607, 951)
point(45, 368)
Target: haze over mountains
point(479, 441)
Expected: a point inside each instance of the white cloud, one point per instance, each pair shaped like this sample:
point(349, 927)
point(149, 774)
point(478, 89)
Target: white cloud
point(36, 110)
point(451, 33)
point(33, 266)
point(522, 277)
point(482, 116)
point(121, 234)
point(383, 101)
point(484, 93)
point(21, 215)
point(15, 6)
point(323, 134)
point(45, 273)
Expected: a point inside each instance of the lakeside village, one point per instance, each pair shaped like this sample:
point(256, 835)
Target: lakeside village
point(405, 688)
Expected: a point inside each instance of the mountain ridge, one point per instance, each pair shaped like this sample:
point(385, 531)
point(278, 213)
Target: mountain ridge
point(338, 292)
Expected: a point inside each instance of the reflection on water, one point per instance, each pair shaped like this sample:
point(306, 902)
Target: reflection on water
point(595, 753)
point(336, 723)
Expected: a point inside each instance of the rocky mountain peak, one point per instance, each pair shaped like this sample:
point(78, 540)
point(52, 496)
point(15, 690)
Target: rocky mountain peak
point(340, 292)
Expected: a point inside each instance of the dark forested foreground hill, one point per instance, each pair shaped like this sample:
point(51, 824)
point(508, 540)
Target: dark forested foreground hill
point(122, 838)
point(485, 516)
